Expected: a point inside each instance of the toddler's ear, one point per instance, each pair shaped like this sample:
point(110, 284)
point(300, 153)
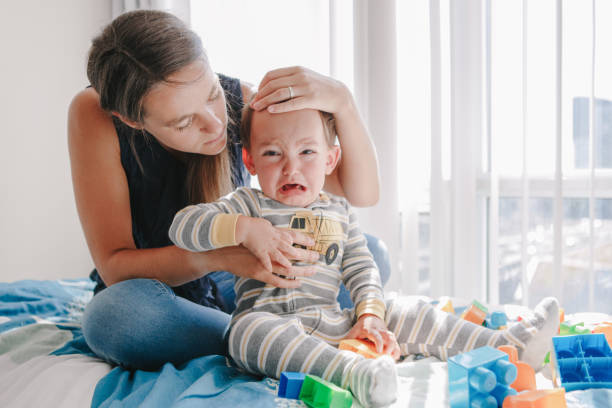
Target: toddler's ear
point(247, 159)
point(333, 155)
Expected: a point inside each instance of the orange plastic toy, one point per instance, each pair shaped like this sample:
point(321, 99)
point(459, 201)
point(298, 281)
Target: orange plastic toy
point(606, 329)
point(525, 378)
point(475, 314)
point(561, 318)
point(554, 398)
point(363, 347)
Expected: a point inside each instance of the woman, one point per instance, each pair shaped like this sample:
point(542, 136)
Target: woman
point(157, 130)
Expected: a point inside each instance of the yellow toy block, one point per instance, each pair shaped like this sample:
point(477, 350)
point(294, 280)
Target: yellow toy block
point(363, 347)
point(446, 305)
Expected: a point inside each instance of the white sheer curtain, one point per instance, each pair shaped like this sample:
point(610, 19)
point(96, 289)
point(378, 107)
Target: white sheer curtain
point(519, 140)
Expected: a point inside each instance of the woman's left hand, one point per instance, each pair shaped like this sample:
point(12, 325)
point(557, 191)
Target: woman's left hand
point(293, 88)
point(374, 329)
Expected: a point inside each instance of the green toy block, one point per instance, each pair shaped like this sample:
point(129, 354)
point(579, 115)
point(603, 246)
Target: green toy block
point(566, 329)
point(318, 393)
point(480, 306)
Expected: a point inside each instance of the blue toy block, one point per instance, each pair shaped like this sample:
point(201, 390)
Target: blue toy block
point(497, 319)
point(318, 393)
point(582, 361)
point(290, 384)
point(480, 378)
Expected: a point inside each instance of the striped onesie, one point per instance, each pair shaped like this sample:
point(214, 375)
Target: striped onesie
point(277, 329)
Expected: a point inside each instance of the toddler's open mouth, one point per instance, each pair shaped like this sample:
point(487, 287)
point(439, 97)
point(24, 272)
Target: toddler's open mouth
point(292, 187)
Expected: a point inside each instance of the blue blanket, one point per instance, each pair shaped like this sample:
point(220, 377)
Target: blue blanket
point(26, 304)
point(41, 343)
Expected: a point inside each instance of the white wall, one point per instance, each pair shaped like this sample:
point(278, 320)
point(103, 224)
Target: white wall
point(43, 47)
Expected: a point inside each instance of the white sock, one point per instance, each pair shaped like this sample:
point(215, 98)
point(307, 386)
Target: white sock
point(374, 382)
point(536, 332)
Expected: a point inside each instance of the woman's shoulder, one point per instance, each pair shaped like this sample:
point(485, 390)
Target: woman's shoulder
point(86, 118)
point(86, 101)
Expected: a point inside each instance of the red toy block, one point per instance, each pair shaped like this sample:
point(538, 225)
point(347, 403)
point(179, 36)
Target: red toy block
point(537, 399)
point(525, 378)
point(363, 347)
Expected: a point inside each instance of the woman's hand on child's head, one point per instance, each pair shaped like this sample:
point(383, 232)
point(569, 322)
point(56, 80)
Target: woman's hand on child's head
point(273, 245)
point(293, 88)
point(373, 328)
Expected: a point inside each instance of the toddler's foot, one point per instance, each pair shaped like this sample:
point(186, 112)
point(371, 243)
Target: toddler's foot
point(374, 382)
point(536, 332)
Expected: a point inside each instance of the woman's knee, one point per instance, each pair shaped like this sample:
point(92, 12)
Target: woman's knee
point(121, 318)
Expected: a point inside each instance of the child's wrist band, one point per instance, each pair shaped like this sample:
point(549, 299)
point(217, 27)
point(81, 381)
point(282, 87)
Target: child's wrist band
point(375, 307)
point(223, 230)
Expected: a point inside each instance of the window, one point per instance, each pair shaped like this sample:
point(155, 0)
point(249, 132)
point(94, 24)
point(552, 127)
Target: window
point(245, 39)
point(521, 250)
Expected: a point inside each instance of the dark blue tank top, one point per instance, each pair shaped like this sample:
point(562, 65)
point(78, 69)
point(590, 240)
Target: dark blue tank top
point(158, 190)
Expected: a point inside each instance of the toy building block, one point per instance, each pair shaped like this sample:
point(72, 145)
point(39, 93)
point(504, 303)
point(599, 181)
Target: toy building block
point(319, 393)
point(480, 378)
point(446, 305)
point(561, 319)
point(496, 320)
point(554, 398)
point(363, 347)
point(525, 374)
point(476, 313)
point(566, 329)
point(606, 329)
point(290, 384)
point(582, 361)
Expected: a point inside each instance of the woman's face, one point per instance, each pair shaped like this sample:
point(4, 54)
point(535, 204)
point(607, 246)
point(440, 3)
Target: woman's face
point(188, 112)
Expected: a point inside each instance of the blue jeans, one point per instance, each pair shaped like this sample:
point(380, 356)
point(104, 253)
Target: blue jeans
point(142, 324)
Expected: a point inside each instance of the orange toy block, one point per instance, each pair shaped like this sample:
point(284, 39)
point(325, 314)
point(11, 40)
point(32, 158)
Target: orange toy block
point(561, 318)
point(475, 315)
point(606, 329)
point(537, 399)
point(525, 377)
point(446, 305)
point(363, 347)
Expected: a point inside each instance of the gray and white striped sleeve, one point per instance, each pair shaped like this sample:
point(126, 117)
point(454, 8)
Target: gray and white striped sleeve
point(207, 226)
point(359, 272)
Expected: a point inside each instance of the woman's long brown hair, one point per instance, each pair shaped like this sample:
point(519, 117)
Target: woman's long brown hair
point(133, 53)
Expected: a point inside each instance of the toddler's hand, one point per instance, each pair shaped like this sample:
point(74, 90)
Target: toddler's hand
point(270, 244)
point(372, 328)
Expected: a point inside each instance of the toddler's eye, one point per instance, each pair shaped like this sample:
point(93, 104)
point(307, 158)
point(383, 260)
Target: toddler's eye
point(308, 151)
point(270, 153)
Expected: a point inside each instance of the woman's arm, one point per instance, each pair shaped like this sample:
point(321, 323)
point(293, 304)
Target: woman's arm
point(356, 176)
point(235, 220)
point(103, 204)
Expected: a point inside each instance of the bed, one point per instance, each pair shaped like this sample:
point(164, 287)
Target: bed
point(45, 362)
